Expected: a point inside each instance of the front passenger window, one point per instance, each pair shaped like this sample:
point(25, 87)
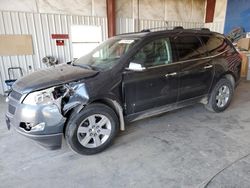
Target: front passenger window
point(157, 52)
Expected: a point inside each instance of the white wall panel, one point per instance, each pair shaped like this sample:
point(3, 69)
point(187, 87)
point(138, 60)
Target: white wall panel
point(83, 7)
point(174, 10)
point(125, 25)
point(41, 26)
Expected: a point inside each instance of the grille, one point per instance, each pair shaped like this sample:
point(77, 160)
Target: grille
point(12, 109)
point(15, 95)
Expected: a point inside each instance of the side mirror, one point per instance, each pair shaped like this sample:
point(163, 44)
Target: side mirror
point(135, 67)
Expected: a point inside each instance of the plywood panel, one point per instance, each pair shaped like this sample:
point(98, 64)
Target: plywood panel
point(16, 45)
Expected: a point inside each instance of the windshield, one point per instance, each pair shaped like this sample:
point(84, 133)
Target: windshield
point(106, 55)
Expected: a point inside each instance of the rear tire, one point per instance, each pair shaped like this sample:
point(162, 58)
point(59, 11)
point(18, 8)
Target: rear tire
point(220, 96)
point(92, 130)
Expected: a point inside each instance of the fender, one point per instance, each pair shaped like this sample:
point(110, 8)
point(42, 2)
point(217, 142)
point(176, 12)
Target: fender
point(118, 109)
point(78, 96)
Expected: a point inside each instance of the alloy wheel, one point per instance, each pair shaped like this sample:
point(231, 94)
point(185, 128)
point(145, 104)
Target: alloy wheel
point(94, 131)
point(222, 96)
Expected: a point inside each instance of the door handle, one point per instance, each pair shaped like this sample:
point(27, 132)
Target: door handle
point(208, 66)
point(171, 74)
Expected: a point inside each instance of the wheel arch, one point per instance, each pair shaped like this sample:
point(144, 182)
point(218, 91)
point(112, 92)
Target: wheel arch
point(114, 105)
point(228, 75)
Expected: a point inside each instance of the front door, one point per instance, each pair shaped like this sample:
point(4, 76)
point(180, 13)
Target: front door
point(155, 86)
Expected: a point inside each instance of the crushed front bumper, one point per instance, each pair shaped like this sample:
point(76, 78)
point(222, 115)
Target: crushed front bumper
point(20, 116)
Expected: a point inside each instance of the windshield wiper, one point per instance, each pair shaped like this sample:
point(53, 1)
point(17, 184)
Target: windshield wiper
point(110, 58)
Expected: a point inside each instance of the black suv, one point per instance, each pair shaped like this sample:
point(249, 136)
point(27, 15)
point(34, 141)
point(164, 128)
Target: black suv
point(126, 78)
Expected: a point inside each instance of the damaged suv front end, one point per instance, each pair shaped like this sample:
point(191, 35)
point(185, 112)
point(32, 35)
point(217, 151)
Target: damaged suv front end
point(40, 114)
point(49, 103)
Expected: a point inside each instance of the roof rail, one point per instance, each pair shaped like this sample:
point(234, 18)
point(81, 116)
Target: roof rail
point(161, 28)
point(205, 29)
point(202, 29)
point(166, 28)
point(145, 30)
point(136, 32)
point(154, 29)
point(178, 27)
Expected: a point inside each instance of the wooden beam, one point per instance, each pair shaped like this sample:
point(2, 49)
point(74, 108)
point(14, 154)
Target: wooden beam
point(111, 17)
point(210, 11)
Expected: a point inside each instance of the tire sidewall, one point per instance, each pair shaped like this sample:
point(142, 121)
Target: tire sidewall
point(76, 119)
point(215, 91)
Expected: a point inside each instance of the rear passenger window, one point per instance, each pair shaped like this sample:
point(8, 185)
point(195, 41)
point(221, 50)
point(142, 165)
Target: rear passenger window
point(215, 44)
point(189, 47)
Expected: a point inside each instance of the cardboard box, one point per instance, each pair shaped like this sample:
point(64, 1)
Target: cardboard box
point(244, 44)
point(244, 64)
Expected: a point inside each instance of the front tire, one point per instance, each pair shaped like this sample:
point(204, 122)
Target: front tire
point(220, 96)
point(92, 130)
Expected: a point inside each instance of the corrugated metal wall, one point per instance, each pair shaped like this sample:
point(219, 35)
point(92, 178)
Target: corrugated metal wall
point(40, 26)
point(125, 25)
point(215, 26)
point(144, 24)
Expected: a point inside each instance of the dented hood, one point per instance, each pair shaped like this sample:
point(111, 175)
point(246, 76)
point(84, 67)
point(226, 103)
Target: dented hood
point(52, 76)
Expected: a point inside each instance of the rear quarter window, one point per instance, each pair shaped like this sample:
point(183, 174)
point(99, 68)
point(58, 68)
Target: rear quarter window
point(215, 44)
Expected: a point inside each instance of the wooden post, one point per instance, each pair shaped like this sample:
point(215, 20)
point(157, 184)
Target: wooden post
point(111, 17)
point(210, 11)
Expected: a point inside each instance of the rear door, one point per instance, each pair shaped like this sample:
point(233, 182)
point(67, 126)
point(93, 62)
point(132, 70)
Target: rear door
point(197, 70)
point(155, 86)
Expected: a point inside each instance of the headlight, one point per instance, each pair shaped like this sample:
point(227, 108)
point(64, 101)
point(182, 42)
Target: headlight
point(40, 97)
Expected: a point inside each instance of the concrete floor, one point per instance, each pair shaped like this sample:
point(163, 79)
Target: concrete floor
point(183, 148)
